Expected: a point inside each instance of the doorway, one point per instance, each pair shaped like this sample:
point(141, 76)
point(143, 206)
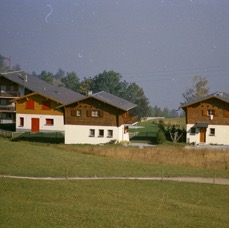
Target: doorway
point(35, 125)
point(202, 134)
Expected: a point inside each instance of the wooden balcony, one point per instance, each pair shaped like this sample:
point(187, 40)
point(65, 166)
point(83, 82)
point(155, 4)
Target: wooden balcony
point(9, 94)
point(7, 108)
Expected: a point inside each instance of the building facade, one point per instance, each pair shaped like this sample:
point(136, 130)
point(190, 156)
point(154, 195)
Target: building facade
point(99, 118)
point(207, 119)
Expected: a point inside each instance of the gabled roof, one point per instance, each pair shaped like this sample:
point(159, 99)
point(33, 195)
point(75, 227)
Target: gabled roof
point(114, 100)
point(110, 99)
point(34, 93)
point(219, 95)
point(33, 83)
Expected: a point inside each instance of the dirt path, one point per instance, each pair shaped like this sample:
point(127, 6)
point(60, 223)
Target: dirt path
point(220, 181)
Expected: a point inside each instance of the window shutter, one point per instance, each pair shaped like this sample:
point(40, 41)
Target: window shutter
point(100, 113)
point(216, 113)
point(29, 104)
point(46, 105)
point(226, 113)
point(204, 112)
point(88, 113)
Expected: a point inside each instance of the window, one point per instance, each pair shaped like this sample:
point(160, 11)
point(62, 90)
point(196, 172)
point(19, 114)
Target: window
point(3, 88)
point(95, 113)
point(29, 104)
point(78, 112)
point(3, 102)
point(46, 105)
point(211, 112)
point(126, 129)
point(110, 134)
point(92, 133)
point(193, 131)
point(21, 124)
point(49, 122)
point(212, 131)
point(101, 133)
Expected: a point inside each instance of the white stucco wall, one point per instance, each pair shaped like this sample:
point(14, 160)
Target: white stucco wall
point(57, 126)
point(221, 135)
point(80, 134)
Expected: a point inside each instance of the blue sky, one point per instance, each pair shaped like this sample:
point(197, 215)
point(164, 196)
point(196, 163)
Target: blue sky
point(159, 44)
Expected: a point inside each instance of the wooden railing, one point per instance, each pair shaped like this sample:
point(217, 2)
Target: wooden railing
point(9, 94)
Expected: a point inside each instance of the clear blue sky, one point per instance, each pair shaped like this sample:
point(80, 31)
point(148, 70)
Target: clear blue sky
point(159, 44)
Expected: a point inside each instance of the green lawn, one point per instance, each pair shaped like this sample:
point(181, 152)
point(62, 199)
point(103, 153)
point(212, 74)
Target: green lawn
point(33, 159)
point(102, 203)
point(112, 203)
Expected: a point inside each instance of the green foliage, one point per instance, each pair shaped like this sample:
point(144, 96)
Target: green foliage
point(71, 81)
point(160, 138)
point(197, 90)
point(46, 76)
point(85, 86)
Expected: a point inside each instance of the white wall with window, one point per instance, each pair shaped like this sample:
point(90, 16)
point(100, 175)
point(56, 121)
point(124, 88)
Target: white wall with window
point(46, 122)
point(81, 134)
point(215, 134)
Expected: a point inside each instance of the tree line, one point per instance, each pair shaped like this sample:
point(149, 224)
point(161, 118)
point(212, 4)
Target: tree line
point(112, 82)
point(109, 81)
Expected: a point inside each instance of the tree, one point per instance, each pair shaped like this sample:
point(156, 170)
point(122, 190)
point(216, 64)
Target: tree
point(71, 81)
point(46, 76)
point(198, 89)
point(111, 82)
point(60, 73)
point(107, 81)
point(85, 86)
point(135, 94)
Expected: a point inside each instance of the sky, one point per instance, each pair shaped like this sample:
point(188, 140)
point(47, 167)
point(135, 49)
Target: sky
point(158, 44)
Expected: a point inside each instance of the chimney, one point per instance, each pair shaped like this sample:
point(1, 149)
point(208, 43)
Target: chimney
point(26, 78)
point(89, 92)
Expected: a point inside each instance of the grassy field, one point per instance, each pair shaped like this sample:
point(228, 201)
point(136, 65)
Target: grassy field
point(37, 159)
point(117, 203)
point(109, 203)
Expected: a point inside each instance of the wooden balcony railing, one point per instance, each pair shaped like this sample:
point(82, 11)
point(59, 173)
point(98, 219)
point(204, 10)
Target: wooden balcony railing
point(9, 94)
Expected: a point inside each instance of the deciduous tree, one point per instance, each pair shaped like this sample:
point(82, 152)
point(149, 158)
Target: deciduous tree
point(197, 90)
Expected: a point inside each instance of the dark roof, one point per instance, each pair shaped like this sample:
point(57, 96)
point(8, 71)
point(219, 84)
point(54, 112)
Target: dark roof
point(201, 124)
point(110, 99)
point(33, 83)
point(219, 95)
point(114, 100)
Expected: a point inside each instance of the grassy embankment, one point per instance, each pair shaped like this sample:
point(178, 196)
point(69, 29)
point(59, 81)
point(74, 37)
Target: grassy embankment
point(110, 203)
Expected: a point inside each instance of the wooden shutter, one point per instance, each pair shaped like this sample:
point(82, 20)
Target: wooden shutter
point(216, 113)
point(88, 113)
point(46, 105)
point(29, 104)
point(226, 113)
point(100, 113)
point(204, 112)
point(49, 121)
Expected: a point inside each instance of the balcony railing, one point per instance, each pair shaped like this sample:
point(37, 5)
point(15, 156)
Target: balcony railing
point(9, 94)
point(7, 108)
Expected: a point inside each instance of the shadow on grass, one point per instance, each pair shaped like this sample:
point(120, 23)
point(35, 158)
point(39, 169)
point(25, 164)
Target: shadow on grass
point(41, 137)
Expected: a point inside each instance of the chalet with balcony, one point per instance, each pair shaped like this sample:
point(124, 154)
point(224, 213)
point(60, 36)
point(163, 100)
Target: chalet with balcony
point(38, 113)
point(98, 118)
point(18, 84)
point(207, 119)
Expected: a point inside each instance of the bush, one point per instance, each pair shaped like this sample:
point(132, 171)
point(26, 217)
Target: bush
point(160, 138)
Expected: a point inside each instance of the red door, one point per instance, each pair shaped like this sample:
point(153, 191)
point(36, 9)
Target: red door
point(35, 125)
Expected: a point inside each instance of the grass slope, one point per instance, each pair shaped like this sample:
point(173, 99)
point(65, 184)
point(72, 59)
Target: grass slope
point(117, 203)
point(103, 203)
point(28, 159)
